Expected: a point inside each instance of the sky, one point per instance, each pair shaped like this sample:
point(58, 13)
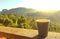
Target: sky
point(8, 4)
point(35, 4)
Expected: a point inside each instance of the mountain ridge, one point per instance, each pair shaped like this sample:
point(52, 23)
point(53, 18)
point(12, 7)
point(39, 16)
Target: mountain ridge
point(33, 13)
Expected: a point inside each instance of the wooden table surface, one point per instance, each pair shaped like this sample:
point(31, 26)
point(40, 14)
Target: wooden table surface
point(28, 32)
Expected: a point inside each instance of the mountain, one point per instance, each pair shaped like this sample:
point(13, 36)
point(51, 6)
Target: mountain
point(33, 13)
point(22, 11)
point(56, 17)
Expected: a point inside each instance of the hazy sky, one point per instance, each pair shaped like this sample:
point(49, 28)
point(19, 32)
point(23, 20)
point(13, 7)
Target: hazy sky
point(8, 4)
point(36, 4)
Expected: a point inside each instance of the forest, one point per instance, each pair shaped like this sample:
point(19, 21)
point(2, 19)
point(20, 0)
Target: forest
point(13, 20)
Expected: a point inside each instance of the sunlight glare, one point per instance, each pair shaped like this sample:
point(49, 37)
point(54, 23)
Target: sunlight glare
point(41, 4)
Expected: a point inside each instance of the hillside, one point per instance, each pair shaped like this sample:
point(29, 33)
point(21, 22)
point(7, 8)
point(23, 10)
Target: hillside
point(14, 16)
point(23, 11)
point(55, 17)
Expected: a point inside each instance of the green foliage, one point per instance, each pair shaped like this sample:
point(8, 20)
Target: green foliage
point(12, 20)
point(54, 27)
